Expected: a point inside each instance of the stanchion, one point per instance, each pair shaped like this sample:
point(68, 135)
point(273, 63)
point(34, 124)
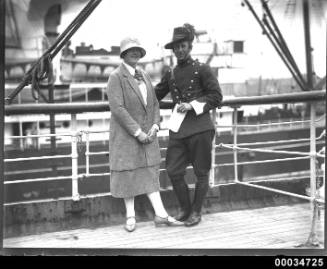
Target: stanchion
point(75, 194)
point(235, 144)
point(313, 239)
point(213, 151)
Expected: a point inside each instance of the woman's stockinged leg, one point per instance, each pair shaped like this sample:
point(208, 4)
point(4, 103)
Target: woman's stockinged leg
point(162, 218)
point(130, 214)
point(157, 204)
point(129, 204)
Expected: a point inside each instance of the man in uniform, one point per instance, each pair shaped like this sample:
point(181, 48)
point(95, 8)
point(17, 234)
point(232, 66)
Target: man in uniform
point(195, 91)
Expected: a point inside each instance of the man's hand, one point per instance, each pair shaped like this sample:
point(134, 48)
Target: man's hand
point(143, 138)
point(183, 107)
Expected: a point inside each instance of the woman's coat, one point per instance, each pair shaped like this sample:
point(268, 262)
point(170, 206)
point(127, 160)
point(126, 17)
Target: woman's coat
point(128, 114)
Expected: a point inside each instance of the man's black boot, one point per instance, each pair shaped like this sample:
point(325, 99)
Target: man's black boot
point(201, 189)
point(193, 219)
point(182, 193)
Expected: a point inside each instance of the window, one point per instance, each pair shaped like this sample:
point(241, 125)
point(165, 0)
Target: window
point(238, 46)
point(65, 124)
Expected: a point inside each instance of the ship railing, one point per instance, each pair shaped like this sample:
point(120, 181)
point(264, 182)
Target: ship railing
point(275, 125)
point(78, 136)
point(73, 156)
point(316, 199)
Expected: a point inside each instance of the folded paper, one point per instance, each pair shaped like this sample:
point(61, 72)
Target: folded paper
point(176, 119)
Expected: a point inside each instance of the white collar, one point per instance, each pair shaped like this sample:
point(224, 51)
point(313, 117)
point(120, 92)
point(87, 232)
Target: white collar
point(130, 69)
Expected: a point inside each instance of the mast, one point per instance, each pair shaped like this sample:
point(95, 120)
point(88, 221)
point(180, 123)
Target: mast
point(308, 48)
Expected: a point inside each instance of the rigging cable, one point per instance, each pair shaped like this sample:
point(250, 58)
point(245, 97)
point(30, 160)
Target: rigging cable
point(268, 31)
point(277, 35)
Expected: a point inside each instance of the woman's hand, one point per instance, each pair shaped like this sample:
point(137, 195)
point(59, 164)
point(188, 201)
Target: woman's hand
point(143, 138)
point(153, 131)
point(183, 107)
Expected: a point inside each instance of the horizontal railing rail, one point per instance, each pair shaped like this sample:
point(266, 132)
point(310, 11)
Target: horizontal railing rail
point(81, 107)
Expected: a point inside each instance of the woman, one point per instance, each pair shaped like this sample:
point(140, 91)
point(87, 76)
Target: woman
point(134, 149)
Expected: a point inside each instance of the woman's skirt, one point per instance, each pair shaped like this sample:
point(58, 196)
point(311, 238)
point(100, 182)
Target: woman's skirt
point(129, 183)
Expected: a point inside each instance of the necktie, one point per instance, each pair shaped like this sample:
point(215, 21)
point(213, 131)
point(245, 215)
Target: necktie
point(138, 75)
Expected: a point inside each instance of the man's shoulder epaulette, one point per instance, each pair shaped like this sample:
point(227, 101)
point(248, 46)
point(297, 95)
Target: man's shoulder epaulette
point(197, 65)
point(196, 61)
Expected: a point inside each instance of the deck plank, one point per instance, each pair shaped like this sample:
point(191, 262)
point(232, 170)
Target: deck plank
point(272, 227)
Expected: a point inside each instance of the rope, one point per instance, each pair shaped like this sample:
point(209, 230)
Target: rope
point(40, 72)
point(266, 150)
point(270, 123)
point(43, 67)
point(263, 161)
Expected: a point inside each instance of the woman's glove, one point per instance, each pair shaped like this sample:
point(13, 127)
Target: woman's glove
point(143, 138)
point(153, 132)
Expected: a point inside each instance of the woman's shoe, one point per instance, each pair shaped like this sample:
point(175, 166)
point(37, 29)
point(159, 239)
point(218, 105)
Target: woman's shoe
point(130, 224)
point(168, 221)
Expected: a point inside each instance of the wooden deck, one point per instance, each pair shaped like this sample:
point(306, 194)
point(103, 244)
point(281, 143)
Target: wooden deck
point(281, 227)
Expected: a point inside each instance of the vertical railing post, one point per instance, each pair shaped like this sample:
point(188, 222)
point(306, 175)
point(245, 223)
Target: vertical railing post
point(21, 140)
point(313, 240)
point(324, 178)
point(87, 100)
point(38, 131)
point(70, 95)
point(312, 150)
point(87, 153)
point(103, 118)
point(306, 6)
point(75, 194)
point(235, 143)
point(213, 151)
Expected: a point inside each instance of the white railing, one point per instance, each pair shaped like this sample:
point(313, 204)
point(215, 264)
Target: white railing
point(81, 136)
point(77, 136)
point(315, 197)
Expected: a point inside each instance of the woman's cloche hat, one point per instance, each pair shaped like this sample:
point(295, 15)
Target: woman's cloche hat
point(131, 42)
point(183, 33)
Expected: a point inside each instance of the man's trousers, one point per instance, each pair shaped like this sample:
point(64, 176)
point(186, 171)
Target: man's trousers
point(195, 150)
